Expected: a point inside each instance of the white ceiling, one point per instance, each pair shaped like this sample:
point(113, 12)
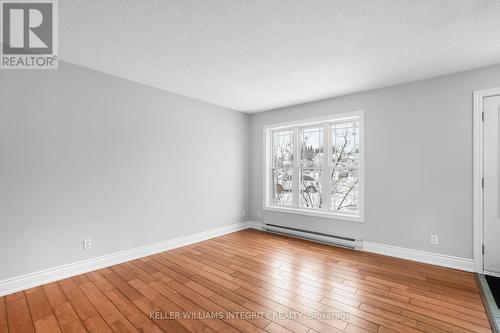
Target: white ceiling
point(258, 55)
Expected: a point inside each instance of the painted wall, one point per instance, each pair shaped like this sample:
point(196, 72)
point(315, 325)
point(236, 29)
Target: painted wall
point(419, 161)
point(88, 155)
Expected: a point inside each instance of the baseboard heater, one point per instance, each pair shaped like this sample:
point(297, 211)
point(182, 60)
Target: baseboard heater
point(347, 242)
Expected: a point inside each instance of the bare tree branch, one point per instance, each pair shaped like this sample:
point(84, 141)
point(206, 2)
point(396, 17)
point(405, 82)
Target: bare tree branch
point(345, 196)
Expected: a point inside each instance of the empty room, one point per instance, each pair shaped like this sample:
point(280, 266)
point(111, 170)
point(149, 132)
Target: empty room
point(250, 166)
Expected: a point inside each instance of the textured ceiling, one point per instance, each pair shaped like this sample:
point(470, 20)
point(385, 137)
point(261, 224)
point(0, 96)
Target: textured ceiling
point(262, 54)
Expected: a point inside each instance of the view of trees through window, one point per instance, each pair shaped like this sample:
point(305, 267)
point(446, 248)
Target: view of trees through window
point(325, 176)
point(311, 162)
point(283, 164)
point(344, 172)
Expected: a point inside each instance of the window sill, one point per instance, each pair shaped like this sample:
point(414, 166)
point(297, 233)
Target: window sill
point(327, 215)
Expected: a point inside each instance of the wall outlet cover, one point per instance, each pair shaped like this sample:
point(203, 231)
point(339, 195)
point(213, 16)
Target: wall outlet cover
point(87, 244)
point(434, 239)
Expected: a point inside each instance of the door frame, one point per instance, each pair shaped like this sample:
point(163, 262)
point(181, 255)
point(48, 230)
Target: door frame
point(478, 148)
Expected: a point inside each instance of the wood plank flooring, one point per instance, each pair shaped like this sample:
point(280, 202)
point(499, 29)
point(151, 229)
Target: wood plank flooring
point(251, 281)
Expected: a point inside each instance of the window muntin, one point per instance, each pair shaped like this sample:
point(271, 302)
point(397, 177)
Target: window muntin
point(317, 167)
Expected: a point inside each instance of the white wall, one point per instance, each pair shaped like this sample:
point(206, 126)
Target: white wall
point(87, 155)
point(418, 139)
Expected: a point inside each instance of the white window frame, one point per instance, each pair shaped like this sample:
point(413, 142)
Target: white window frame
point(324, 121)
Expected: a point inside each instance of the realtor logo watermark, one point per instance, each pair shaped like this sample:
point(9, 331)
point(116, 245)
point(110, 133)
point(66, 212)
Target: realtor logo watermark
point(29, 34)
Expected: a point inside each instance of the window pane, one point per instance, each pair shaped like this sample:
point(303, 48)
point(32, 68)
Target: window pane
point(345, 191)
point(311, 147)
point(310, 188)
point(345, 167)
point(345, 141)
point(282, 187)
point(283, 149)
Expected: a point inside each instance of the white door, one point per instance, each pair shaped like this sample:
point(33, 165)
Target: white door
point(491, 185)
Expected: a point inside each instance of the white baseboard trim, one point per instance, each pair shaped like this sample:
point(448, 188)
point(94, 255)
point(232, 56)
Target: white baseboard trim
point(409, 254)
point(254, 224)
point(420, 256)
point(31, 280)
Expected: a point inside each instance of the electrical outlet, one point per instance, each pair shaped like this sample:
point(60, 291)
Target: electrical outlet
point(87, 244)
point(434, 239)
point(243, 213)
point(259, 213)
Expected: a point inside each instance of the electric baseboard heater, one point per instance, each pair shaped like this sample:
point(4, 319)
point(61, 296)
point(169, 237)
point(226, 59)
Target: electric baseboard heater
point(343, 241)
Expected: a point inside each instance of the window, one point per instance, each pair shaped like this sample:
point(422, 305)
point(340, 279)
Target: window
point(315, 167)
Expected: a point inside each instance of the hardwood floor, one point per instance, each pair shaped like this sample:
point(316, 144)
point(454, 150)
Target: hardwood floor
point(251, 281)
